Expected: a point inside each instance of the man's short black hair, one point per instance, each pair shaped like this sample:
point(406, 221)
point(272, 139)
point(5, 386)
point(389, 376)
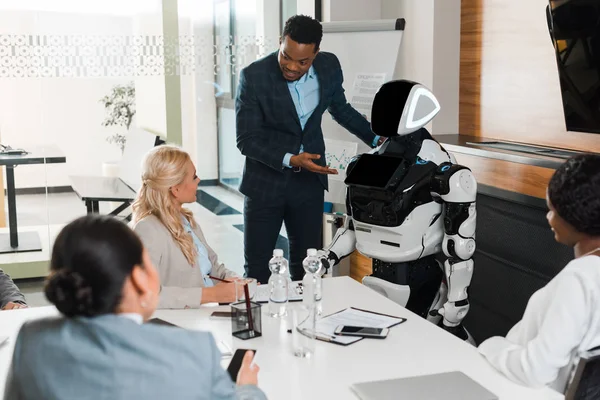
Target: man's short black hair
point(574, 191)
point(304, 29)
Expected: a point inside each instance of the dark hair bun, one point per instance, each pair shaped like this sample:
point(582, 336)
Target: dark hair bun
point(70, 293)
point(92, 258)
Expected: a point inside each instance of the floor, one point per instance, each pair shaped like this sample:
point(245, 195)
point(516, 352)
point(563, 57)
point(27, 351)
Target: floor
point(218, 211)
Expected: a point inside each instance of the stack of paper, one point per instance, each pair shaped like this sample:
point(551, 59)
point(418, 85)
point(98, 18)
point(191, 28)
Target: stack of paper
point(326, 326)
point(294, 292)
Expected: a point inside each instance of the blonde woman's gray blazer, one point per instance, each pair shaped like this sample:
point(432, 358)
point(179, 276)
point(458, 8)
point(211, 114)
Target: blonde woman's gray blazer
point(181, 283)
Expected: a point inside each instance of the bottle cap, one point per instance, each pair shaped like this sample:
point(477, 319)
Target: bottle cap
point(311, 252)
point(278, 253)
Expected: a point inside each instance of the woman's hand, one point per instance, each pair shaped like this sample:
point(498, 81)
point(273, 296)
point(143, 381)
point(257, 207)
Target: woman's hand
point(223, 292)
point(13, 306)
point(248, 374)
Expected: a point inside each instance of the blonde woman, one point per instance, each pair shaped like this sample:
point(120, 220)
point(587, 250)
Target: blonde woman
point(174, 240)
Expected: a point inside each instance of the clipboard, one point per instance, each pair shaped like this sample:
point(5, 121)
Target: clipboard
point(400, 319)
point(332, 338)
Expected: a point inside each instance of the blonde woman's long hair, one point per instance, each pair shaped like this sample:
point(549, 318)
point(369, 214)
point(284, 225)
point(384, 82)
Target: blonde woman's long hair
point(163, 168)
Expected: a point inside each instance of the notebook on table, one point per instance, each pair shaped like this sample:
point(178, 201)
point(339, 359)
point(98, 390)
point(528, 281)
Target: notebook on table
point(445, 386)
point(294, 292)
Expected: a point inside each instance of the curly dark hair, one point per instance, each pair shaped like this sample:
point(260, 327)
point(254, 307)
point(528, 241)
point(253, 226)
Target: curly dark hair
point(574, 191)
point(304, 29)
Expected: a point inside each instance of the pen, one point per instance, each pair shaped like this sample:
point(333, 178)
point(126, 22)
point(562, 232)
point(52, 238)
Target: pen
point(218, 279)
point(318, 335)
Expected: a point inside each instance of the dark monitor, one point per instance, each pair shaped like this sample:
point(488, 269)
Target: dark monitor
point(574, 27)
point(373, 170)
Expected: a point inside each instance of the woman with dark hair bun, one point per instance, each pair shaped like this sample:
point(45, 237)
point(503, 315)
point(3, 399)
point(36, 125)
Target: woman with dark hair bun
point(561, 320)
point(103, 282)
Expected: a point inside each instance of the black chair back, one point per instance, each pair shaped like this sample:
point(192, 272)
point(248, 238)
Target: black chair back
point(586, 381)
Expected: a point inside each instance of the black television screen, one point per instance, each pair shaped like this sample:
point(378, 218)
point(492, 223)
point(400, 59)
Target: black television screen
point(373, 170)
point(574, 27)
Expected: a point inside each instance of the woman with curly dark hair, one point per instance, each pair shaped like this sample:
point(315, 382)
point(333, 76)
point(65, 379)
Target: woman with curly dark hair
point(561, 319)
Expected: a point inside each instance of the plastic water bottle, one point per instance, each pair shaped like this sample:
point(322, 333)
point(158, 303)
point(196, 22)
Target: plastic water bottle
point(312, 282)
point(278, 284)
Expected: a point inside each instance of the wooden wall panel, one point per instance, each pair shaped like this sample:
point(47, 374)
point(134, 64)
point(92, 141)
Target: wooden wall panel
point(509, 87)
point(519, 178)
point(360, 266)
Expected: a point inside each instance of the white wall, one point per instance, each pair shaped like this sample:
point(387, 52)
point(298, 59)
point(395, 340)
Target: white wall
point(150, 89)
point(198, 103)
point(430, 52)
point(446, 62)
point(305, 7)
point(416, 52)
point(64, 112)
point(351, 10)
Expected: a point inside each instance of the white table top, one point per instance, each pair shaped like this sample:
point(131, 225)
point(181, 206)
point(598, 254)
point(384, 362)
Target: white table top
point(415, 347)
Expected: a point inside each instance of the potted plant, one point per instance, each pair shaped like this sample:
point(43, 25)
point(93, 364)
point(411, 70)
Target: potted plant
point(119, 108)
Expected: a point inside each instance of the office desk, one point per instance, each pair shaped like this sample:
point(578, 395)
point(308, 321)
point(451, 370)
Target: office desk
point(26, 241)
point(415, 347)
point(94, 189)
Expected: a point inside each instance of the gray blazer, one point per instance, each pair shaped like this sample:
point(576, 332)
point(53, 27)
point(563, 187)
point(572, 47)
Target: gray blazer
point(111, 357)
point(9, 291)
point(181, 283)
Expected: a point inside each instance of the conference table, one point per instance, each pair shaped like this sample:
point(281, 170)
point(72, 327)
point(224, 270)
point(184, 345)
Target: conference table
point(415, 347)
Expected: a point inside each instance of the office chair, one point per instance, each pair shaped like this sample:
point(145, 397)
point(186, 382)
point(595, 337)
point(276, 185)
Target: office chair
point(586, 380)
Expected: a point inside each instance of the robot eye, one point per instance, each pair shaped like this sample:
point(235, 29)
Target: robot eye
point(420, 161)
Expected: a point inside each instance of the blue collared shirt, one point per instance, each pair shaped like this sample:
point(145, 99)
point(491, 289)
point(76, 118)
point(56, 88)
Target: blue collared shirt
point(306, 97)
point(203, 260)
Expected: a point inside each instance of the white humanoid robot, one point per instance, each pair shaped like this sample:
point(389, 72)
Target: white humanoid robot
point(407, 202)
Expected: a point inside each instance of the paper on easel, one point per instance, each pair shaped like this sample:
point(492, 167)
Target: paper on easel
point(365, 87)
point(338, 154)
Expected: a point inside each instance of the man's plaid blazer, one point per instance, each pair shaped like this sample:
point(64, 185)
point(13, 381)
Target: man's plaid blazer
point(268, 126)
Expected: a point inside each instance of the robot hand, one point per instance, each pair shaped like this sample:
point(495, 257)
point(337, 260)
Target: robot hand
point(328, 259)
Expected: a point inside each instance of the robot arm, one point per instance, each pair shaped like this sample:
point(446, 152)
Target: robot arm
point(344, 241)
point(342, 245)
point(455, 187)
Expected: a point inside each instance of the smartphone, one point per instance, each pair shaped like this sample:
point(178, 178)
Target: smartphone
point(362, 331)
point(236, 362)
point(220, 314)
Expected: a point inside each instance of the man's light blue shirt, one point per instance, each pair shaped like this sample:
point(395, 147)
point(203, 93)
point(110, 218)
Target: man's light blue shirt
point(306, 97)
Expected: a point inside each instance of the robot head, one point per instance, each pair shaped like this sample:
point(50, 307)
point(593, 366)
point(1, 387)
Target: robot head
point(402, 107)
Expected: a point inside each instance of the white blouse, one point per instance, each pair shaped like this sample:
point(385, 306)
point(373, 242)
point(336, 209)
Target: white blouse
point(561, 320)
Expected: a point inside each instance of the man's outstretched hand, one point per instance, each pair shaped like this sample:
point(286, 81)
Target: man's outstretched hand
point(305, 160)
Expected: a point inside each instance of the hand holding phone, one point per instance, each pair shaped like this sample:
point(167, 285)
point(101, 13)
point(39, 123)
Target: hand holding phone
point(362, 331)
point(241, 370)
